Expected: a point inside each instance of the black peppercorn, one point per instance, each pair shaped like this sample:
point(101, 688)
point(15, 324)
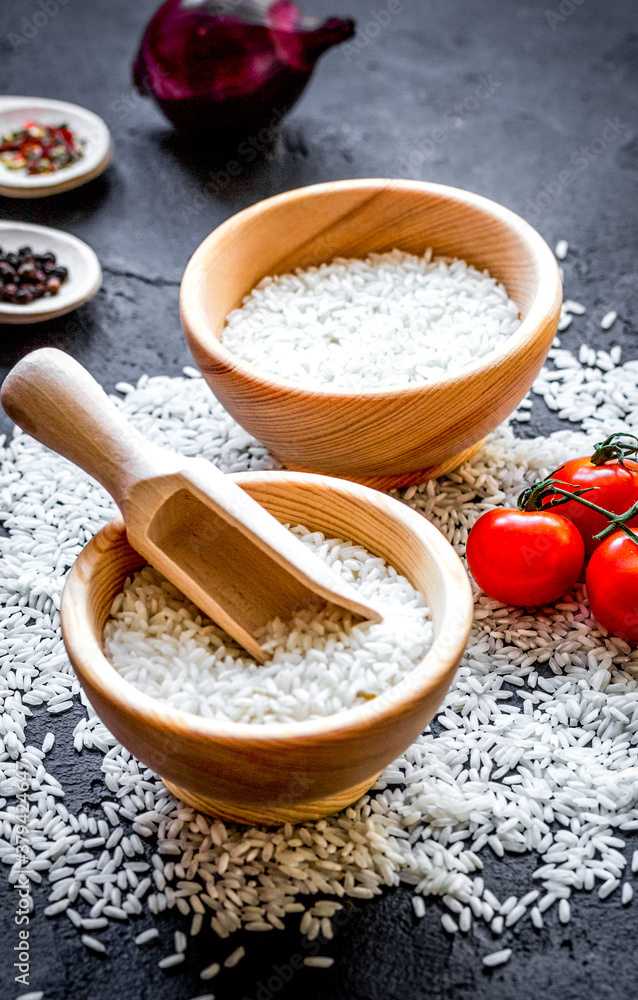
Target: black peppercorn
point(27, 271)
point(25, 276)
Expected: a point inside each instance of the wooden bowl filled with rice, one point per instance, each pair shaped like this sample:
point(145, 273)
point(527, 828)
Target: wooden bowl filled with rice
point(308, 732)
point(375, 330)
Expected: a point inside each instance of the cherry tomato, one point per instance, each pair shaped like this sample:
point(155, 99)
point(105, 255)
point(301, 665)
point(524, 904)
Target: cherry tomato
point(525, 557)
point(616, 489)
point(612, 585)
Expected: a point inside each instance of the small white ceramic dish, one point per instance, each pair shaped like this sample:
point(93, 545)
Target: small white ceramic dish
point(85, 273)
point(16, 111)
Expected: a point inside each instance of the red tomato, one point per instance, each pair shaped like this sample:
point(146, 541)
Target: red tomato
point(616, 490)
point(525, 557)
point(612, 585)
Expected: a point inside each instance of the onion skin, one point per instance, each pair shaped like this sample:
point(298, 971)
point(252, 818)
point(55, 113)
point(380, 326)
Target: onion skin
point(223, 73)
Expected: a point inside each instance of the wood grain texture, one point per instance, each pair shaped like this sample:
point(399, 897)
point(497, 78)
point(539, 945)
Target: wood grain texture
point(285, 811)
point(292, 771)
point(191, 522)
point(380, 436)
point(404, 479)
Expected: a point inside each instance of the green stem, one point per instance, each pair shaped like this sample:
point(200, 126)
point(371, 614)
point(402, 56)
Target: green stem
point(535, 496)
point(586, 503)
point(614, 448)
point(616, 521)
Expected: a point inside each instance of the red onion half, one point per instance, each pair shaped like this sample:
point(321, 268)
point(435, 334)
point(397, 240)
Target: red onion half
point(227, 67)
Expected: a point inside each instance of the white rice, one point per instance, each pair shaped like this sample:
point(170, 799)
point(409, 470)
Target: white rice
point(497, 958)
point(320, 664)
point(449, 924)
point(534, 750)
point(562, 248)
point(176, 959)
point(235, 957)
point(537, 917)
point(152, 934)
point(576, 308)
point(608, 320)
point(210, 971)
point(389, 320)
point(93, 944)
point(418, 906)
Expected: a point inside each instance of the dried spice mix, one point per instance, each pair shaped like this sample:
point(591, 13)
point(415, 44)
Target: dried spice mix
point(40, 149)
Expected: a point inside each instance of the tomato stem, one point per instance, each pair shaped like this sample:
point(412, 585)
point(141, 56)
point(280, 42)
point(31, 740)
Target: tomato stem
point(542, 496)
point(614, 448)
point(618, 522)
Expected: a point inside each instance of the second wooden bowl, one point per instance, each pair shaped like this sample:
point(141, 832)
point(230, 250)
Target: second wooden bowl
point(276, 773)
point(384, 437)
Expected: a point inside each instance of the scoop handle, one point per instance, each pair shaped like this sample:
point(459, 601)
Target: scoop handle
point(55, 400)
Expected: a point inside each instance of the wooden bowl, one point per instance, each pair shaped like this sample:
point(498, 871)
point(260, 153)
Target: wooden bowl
point(385, 437)
point(278, 772)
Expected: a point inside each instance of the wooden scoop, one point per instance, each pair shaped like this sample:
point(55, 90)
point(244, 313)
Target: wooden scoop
point(192, 523)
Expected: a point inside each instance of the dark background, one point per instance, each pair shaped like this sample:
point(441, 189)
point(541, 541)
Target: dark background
point(403, 102)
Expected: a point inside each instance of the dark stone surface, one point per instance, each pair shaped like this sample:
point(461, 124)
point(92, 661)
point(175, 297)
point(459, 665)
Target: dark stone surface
point(512, 100)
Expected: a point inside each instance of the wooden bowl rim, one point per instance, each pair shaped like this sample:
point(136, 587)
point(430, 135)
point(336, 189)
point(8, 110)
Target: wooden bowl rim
point(545, 304)
point(89, 660)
